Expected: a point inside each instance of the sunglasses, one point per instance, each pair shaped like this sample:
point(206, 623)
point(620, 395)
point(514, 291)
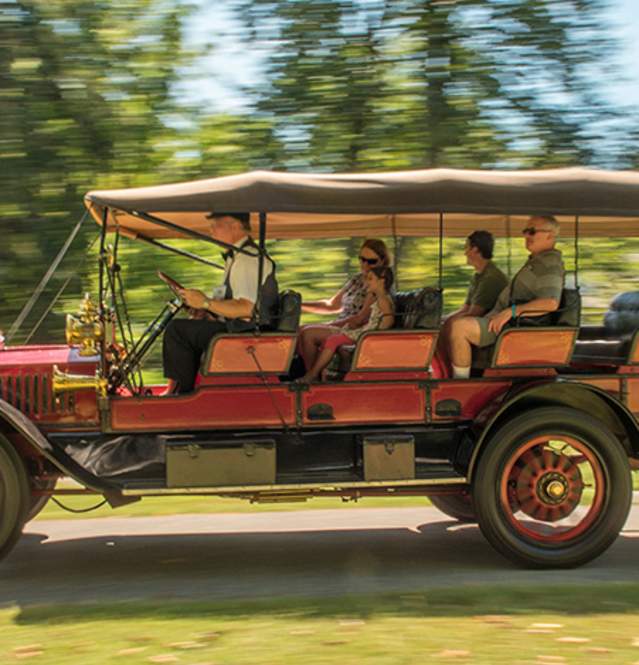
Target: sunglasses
point(370, 262)
point(531, 231)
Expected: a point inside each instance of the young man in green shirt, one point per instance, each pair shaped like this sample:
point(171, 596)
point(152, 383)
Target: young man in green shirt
point(535, 290)
point(487, 283)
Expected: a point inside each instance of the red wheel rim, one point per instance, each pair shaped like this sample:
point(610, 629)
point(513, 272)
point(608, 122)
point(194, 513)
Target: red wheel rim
point(552, 488)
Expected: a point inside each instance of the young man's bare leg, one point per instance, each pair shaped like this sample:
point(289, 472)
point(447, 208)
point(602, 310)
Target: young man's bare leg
point(465, 332)
point(443, 341)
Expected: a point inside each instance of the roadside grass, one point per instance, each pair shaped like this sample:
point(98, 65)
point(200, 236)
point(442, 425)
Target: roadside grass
point(478, 624)
point(175, 505)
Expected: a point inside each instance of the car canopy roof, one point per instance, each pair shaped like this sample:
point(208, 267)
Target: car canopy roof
point(407, 203)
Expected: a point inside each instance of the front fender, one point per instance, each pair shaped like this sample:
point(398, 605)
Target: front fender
point(590, 399)
point(25, 428)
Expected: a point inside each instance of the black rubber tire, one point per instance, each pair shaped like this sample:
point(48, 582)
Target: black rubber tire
point(37, 503)
point(458, 506)
point(617, 498)
point(14, 496)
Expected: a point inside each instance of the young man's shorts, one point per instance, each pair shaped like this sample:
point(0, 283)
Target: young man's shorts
point(486, 337)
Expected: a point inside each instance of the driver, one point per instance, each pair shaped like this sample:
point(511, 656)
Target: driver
point(186, 339)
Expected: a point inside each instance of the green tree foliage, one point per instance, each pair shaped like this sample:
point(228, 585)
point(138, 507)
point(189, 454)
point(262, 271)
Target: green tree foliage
point(424, 83)
point(90, 97)
point(85, 88)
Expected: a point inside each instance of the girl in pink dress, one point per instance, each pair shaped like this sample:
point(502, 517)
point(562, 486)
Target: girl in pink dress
point(378, 283)
point(352, 303)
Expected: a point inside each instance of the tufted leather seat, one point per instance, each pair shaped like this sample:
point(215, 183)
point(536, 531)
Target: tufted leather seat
point(420, 308)
point(611, 343)
point(414, 310)
point(568, 315)
point(289, 311)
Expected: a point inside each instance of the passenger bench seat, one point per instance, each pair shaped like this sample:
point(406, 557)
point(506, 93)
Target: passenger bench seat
point(414, 310)
point(565, 318)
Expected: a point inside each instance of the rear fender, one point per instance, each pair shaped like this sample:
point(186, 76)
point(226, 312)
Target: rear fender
point(589, 399)
point(12, 420)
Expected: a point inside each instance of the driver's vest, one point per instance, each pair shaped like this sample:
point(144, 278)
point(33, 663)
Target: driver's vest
point(266, 304)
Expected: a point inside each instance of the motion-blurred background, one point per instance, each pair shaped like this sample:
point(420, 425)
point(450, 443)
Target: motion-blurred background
point(120, 93)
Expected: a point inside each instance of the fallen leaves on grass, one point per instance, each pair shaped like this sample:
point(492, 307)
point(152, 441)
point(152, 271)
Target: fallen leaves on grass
point(28, 651)
point(187, 645)
point(569, 639)
point(453, 653)
point(495, 619)
point(351, 623)
point(210, 636)
point(131, 651)
point(163, 658)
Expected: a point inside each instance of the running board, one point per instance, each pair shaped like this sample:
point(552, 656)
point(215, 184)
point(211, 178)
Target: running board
point(320, 488)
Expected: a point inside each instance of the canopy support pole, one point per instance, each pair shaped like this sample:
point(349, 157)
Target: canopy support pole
point(45, 280)
point(260, 267)
point(509, 245)
point(576, 251)
point(395, 249)
point(441, 251)
point(102, 255)
point(61, 290)
point(188, 232)
point(175, 250)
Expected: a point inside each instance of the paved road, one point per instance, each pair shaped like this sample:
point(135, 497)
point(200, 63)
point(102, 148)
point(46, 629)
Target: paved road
point(303, 553)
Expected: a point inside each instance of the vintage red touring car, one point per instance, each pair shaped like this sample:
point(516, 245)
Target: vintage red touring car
point(537, 446)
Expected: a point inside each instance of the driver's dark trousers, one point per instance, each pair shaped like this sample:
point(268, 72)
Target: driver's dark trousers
point(185, 340)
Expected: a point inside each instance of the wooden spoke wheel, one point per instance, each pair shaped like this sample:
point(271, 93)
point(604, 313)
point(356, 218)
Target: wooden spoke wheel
point(14, 496)
point(458, 506)
point(553, 488)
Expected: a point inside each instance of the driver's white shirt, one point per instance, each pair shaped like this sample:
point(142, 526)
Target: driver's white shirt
point(244, 275)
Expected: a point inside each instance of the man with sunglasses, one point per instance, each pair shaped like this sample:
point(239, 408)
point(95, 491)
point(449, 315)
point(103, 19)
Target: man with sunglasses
point(534, 291)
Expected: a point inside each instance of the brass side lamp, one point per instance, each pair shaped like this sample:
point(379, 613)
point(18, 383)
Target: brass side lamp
point(85, 330)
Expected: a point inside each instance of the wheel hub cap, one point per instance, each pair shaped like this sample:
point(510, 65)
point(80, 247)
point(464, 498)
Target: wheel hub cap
point(547, 485)
point(552, 488)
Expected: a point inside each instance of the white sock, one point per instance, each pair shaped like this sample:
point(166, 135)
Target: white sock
point(461, 372)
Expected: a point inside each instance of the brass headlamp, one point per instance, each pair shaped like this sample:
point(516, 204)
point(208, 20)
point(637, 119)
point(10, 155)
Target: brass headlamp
point(85, 330)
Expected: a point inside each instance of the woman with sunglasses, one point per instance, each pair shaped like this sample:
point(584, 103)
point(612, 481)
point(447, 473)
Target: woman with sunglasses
point(352, 302)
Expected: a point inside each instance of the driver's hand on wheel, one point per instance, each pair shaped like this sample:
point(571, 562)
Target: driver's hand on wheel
point(193, 298)
point(199, 314)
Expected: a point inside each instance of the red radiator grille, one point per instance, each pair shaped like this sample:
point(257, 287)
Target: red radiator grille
point(31, 394)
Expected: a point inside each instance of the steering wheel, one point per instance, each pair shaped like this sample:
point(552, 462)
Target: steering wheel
point(171, 283)
point(129, 363)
